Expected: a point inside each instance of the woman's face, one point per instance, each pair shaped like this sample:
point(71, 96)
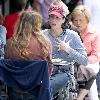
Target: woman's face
point(55, 21)
point(80, 21)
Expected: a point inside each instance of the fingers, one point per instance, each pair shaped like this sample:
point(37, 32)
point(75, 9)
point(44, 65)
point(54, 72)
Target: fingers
point(60, 41)
point(59, 48)
point(65, 38)
point(69, 41)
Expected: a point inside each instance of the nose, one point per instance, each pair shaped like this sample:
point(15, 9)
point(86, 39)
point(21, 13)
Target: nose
point(78, 22)
point(53, 19)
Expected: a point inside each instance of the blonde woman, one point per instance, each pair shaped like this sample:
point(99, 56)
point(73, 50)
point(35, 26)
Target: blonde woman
point(28, 42)
point(91, 40)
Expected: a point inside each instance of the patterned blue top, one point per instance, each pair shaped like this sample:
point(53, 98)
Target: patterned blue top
point(77, 52)
point(2, 40)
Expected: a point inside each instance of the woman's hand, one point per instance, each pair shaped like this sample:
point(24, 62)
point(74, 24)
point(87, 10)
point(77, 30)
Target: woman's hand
point(63, 46)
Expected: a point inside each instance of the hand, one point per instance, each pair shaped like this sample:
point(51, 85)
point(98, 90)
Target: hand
point(63, 46)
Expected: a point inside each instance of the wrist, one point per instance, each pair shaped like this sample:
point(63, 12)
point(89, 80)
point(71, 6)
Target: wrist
point(67, 49)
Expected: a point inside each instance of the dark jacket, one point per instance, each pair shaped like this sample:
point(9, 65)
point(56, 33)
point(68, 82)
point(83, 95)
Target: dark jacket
point(26, 75)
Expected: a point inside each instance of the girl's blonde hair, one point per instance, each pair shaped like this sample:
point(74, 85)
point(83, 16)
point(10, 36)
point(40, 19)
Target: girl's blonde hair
point(28, 25)
point(81, 9)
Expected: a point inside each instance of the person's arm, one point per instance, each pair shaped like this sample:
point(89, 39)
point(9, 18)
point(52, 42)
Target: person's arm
point(94, 56)
point(74, 50)
point(3, 33)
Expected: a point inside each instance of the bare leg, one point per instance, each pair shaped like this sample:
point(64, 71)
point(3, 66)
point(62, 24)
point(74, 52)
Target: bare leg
point(93, 93)
point(82, 94)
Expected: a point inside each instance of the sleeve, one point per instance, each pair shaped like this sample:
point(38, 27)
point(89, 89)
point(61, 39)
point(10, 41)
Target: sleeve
point(95, 52)
point(2, 40)
point(3, 32)
point(77, 52)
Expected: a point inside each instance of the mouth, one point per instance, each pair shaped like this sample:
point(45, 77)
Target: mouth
point(54, 24)
point(77, 26)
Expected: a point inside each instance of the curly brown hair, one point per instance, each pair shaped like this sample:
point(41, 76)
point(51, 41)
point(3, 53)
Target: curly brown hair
point(29, 24)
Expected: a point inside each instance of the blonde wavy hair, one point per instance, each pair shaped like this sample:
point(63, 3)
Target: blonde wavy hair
point(28, 25)
point(81, 9)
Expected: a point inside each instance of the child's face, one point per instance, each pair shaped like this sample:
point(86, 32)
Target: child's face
point(80, 21)
point(55, 21)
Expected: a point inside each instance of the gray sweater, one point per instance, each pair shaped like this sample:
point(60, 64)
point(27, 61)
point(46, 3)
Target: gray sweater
point(77, 52)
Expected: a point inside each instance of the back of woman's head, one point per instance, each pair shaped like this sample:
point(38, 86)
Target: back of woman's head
point(28, 25)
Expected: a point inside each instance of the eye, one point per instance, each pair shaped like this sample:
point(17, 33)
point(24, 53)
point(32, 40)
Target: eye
point(51, 16)
point(57, 17)
point(75, 20)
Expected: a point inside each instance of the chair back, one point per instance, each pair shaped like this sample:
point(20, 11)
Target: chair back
point(26, 75)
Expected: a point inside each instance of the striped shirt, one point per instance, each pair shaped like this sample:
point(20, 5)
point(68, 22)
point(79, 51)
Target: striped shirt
point(77, 52)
